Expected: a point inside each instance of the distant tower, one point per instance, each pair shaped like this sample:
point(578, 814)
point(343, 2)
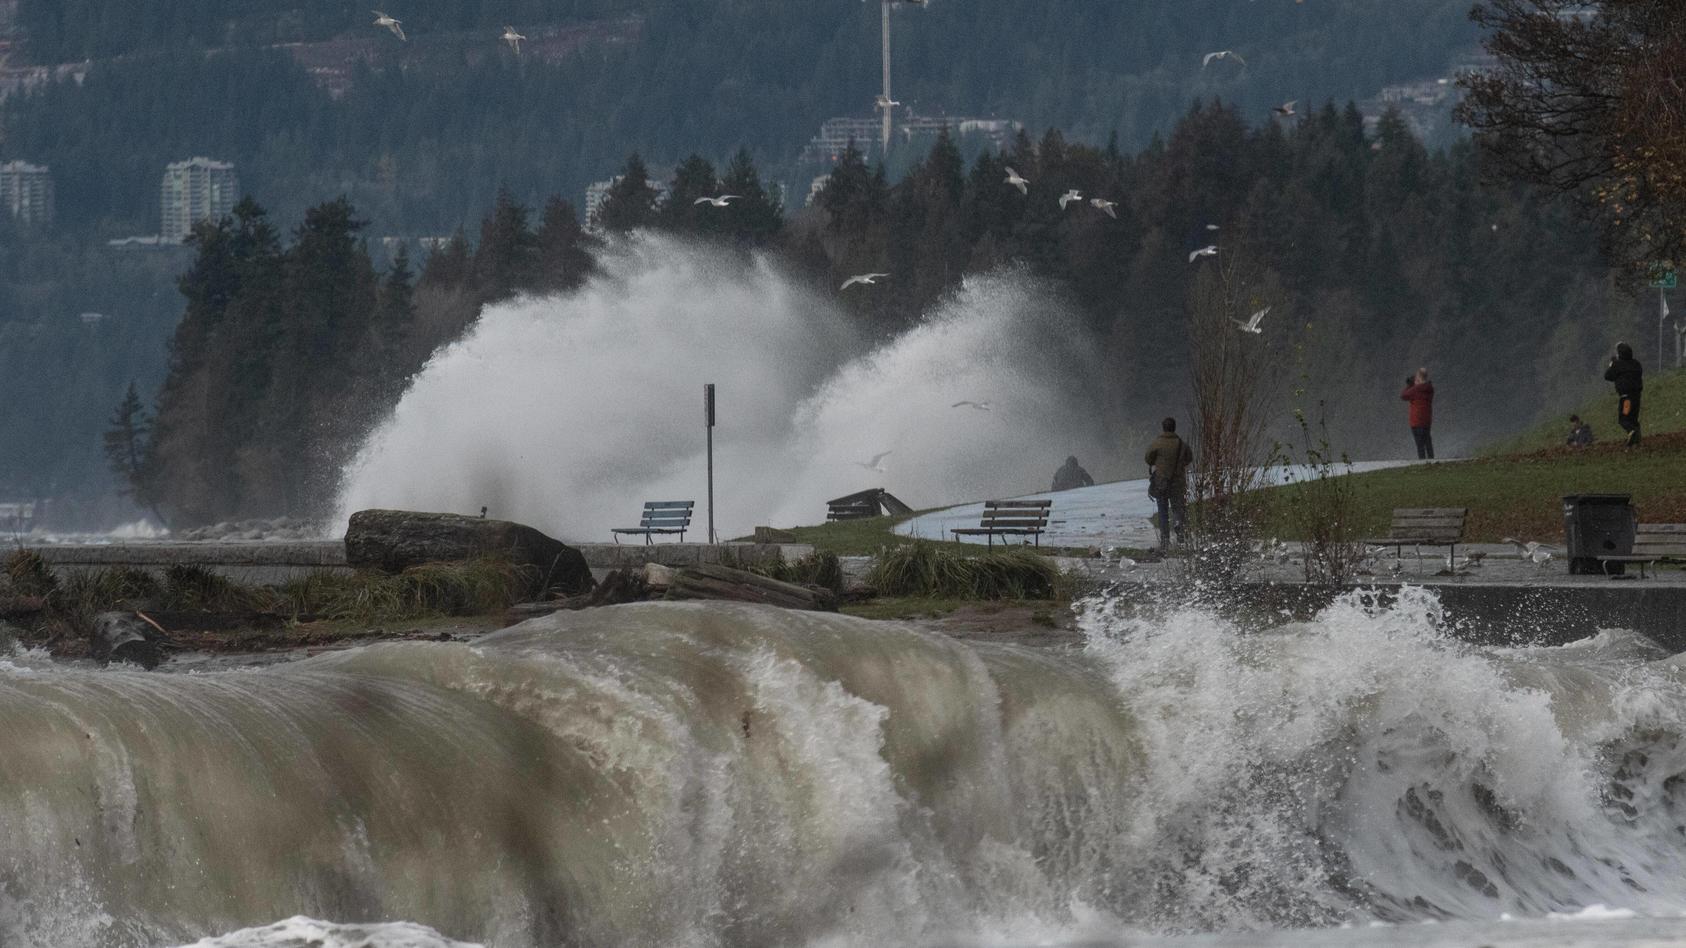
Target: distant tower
point(886, 102)
point(195, 190)
point(26, 191)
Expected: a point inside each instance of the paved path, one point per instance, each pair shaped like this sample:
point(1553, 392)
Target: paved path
point(1103, 516)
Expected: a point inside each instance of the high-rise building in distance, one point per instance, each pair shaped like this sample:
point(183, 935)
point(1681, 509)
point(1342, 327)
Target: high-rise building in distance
point(26, 191)
point(195, 190)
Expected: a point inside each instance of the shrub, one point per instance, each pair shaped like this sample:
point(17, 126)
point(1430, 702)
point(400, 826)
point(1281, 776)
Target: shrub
point(923, 569)
point(30, 575)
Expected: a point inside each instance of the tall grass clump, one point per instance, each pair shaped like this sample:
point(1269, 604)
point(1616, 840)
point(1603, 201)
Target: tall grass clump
point(467, 587)
point(821, 568)
point(923, 569)
point(29, 574)
point(189, 588)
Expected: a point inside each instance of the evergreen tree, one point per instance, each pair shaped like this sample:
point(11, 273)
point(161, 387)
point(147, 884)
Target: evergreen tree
point(631, 201)
point(564, 247)
point(756, 218)
point(507, 260)
point(127, 441)
point(693, 180)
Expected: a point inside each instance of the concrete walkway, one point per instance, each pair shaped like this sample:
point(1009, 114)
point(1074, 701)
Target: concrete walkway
point(1103, 516)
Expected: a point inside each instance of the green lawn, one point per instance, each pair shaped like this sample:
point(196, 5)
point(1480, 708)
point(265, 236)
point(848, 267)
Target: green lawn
point(1662, 410)
point(1520, 495)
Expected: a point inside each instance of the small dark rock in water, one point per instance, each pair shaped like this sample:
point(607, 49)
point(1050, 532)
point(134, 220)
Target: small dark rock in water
point(1071, 475)
point(394, 540)
point(124, 637)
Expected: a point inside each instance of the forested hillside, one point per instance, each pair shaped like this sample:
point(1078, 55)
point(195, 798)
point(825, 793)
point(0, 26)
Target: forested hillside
point(424, 132)
point(1377, 256)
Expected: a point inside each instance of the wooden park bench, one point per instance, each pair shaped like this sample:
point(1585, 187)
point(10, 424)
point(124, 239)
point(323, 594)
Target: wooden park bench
point(1424, 526)
point(1010, 517)
point(1652, 543)
point(661, 516)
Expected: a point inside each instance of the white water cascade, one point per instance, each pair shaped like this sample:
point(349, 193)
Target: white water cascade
point(568, 412)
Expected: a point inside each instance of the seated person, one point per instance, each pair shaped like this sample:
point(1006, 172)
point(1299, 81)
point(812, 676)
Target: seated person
point(1580, 433)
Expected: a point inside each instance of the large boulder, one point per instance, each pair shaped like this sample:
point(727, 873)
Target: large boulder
point(394, 540)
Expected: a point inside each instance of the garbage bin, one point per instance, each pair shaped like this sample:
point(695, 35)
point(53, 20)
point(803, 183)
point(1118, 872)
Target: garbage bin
point(1597, 525)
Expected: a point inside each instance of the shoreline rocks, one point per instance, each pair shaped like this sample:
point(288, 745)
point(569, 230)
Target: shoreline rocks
point(394, 540)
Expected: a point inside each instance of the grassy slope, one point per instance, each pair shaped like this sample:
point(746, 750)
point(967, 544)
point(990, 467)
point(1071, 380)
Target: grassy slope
point(1662, 410)
point(1520, 495)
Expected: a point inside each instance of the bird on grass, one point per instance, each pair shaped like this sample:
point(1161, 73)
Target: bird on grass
point(512, 38)
point(396, 26)
point(1068, 197)
point(1252, 323)
point(720, 201)
point(876, 464)
point(1023, 184)
point(865, 279)
point(1221, 54)
point(1104, 206)
point(1210, 250)
point(980, 406)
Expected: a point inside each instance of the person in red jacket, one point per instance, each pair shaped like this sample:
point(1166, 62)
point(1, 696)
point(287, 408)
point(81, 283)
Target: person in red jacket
point(1419, 391)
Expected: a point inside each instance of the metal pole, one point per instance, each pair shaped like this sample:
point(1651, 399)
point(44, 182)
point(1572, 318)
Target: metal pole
point(887, 100)
point(708, 420)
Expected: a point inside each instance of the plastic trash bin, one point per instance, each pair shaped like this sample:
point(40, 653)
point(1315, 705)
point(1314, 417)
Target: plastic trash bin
point(1597, 525)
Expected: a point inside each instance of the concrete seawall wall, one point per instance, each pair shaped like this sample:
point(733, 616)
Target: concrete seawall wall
point(274, 562)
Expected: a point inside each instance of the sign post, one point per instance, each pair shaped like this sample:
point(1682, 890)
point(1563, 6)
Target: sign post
point(1664, 277)
point(708, 422)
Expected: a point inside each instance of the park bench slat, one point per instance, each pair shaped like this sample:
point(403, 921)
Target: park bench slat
point(1010, 517)
point(1652, 543)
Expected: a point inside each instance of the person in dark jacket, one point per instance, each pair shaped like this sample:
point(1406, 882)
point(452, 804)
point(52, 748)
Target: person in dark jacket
point(1629, 378)
point(1580, 433)
point(1419, 391)
point(1071, 475)
point(1168, 460)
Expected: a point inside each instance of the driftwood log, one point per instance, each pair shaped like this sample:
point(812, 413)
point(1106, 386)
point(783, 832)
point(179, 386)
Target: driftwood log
point(394, 540)
point(709, 581)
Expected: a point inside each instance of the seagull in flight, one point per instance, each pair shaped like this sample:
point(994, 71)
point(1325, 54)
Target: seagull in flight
point(1286, 109)
point(720, 201)
point(1068, 197)
point(1105, 206)
point(395, 26)
point(1221, 54)
point(1211, 227)
point(866, 279)
point(876, 464)
point(512, 38)
point(1023, 184)
point(885, 102)
point(1252, 323)
point(980, 406)
point(1210, 250)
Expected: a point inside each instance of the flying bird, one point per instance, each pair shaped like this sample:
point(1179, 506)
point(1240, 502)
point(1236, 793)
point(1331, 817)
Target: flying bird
point(885, 102)
point(717, 201)
point(396, 26)
point(1221, 54)
point(980, 406)
point(866, 279)
point(1252, 323)
point(1207, 251)
point(1068, 197)
point(1211, 227)
point(512, 38)
point(875, 464)
point(1021, 183)
point(1105, 206)
point(1286, 109)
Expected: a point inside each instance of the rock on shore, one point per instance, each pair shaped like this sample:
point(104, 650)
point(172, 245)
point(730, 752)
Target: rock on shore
point(394, 540)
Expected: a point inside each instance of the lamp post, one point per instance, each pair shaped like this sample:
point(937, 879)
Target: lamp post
point(708, 423)
point(886, 103)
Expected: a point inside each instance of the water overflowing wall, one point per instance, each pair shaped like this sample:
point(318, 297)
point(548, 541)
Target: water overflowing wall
point(569, 412)
point(690, 774)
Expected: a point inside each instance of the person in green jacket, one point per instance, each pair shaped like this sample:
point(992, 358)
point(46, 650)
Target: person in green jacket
point(1168, 460)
